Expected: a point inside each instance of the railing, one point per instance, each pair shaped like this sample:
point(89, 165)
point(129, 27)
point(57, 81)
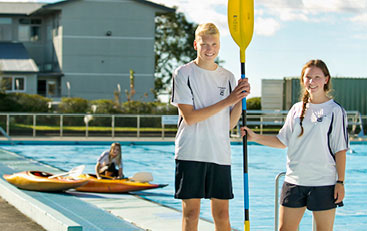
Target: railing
point(277, 118)
point(261, 119)
point(276, 205)
point(6, 135)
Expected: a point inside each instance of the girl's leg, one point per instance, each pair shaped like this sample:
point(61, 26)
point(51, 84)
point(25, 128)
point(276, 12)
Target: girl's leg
point(290, 218)
point(220, 212)
point(190, 214)
point(324, 219)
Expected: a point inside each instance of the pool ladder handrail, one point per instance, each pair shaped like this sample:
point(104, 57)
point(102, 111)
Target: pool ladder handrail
point(276, 205)
point(6, 135)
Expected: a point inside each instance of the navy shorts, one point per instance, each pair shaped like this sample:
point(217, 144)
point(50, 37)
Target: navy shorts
point(202, 180)
point(314, 198)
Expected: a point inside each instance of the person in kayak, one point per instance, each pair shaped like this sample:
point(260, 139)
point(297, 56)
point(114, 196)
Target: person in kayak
point(316, 135)
point(108, 161)
point(209, 104)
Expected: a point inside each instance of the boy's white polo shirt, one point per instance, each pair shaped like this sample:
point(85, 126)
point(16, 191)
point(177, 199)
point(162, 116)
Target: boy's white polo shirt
point(311, 157)
point(208, 140)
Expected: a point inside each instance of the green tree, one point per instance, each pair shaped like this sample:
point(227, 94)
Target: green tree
point(174, 37)
point(254, 103)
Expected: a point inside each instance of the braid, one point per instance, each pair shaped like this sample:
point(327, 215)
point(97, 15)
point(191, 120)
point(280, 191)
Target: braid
point(305, 98)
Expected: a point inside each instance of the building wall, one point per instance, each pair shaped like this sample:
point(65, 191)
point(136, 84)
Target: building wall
point(271, 94)
point(99, 47)
point(349, 92)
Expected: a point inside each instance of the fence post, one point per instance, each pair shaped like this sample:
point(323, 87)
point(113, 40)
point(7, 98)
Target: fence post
point(34, 124)
point(261, 125)
point(86, 129)
point(61, 124)
point(8, 124)
point(138, 126)
point(113, 126)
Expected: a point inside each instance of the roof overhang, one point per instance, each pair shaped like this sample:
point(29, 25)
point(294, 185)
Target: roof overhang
point(15, 58)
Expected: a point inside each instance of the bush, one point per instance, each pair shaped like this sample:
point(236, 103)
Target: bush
point(159, 108)
point(7, 104)
point(136, 107)
point(254, 103)
point(105, 106)
point(73, 105)
point(21, 102)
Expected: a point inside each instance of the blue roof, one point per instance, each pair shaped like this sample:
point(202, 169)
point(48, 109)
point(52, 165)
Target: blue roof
point(15, 58)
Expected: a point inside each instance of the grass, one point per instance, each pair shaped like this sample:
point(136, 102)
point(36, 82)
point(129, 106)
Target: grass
point(91, 128)
point(117, 129)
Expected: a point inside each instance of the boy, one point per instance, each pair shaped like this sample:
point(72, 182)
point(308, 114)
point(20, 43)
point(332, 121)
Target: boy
point(209, 106)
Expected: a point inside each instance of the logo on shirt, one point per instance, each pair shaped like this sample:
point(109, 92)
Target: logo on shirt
point(221, 90)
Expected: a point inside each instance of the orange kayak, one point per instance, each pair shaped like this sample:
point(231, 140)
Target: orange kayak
point(40, 181)
point(114, 185)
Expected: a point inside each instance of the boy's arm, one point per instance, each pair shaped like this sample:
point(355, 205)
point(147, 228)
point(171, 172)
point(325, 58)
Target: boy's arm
point(235, 114)
point(192, 116)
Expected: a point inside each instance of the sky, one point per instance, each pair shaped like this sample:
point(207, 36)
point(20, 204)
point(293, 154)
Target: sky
point(287, 34)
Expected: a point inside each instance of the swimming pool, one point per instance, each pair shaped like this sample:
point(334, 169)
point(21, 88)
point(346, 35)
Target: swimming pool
point(264, 164)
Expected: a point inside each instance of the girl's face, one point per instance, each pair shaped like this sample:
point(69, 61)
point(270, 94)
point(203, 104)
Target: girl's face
point(314, 81)
point(115, 151)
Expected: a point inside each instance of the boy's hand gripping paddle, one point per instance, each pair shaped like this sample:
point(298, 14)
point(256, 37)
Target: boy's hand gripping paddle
point(241, 26)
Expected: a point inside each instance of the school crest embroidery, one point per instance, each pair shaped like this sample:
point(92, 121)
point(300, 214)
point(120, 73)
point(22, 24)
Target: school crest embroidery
point(221, 90)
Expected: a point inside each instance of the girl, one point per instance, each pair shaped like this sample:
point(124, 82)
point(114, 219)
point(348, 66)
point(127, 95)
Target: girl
point(315, 133)
point(108, 161)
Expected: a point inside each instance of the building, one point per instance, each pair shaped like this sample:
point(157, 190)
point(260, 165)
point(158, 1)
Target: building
point(78, 48)
point(281, 94)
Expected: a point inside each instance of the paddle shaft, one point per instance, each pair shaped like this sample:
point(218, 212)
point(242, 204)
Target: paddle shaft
point(245, 160)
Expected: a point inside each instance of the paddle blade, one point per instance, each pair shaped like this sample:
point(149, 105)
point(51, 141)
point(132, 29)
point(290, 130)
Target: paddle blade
point(142, 177)
point(241, 23)
point(74, 172)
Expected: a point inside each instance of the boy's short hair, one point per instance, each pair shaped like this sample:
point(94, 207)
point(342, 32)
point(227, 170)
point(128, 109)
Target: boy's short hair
point(206, 29)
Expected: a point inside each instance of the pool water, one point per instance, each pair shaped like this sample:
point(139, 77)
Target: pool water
point(264, 164)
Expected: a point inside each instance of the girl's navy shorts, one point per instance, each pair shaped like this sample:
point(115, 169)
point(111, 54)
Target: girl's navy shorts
point(202, 180)
point(314, 198)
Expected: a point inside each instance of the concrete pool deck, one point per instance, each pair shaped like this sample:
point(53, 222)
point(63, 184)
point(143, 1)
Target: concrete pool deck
point(85, 211)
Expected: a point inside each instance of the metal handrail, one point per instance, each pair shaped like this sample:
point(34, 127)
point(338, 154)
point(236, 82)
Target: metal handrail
point(276, 205)
point(6, 135)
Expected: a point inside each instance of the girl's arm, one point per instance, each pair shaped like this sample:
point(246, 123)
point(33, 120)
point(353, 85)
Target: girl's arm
point(120, 173)
point(97, 170)
point(192, 116)
point(340, 159)
point(271, 141)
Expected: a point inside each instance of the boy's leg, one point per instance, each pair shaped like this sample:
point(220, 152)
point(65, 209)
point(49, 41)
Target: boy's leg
point(220, 212)
point(190, 214)
point(324, 219)
point(290, 218)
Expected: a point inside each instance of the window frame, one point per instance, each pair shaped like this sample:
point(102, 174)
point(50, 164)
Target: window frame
point(13, 83)
point(30, 25)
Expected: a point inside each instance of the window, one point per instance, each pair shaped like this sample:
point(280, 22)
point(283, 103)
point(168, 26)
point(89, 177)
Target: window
point(6, 83)
point(12, 84)
point(29, 29)
point(51, 88)
point(5, 29)
point(19, 84)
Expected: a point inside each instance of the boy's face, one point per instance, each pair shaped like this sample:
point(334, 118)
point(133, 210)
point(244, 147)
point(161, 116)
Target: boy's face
point(207, 47)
